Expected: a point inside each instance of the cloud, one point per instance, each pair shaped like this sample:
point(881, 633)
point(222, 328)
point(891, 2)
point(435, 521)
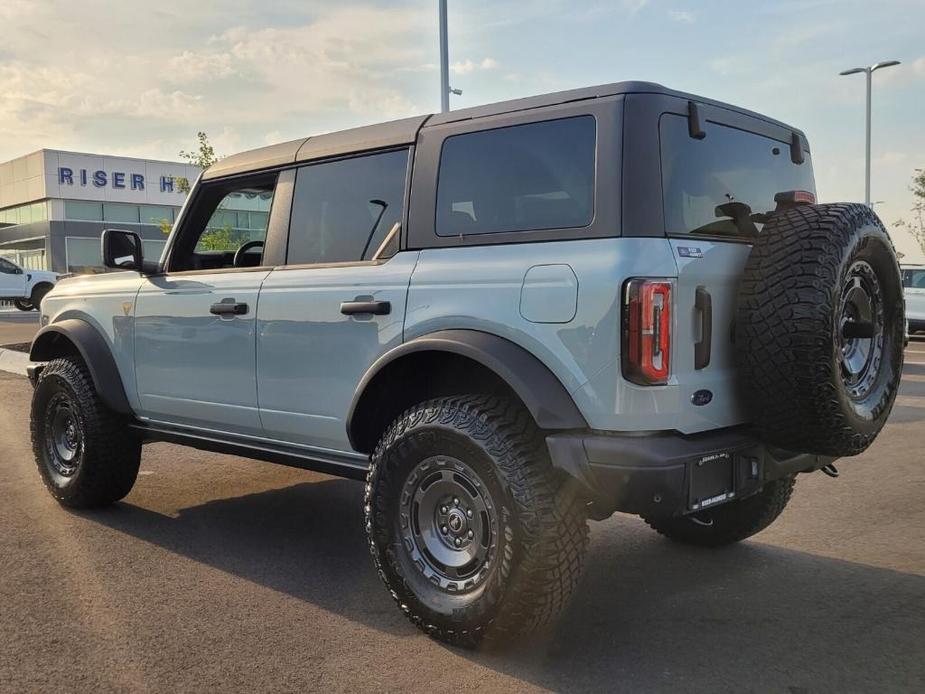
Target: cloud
point(682, 16)
point(223, 67)
point(467, 66)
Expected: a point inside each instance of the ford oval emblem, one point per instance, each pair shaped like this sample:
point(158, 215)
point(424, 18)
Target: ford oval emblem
point(702, 397)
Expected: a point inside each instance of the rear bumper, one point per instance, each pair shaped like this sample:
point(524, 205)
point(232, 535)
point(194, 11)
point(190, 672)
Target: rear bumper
point(655, 475)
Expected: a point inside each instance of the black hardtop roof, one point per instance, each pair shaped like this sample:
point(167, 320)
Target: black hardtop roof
point(404, 131)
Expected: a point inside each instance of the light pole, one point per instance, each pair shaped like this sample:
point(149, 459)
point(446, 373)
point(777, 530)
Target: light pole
point(445, 88)
point(869, 71)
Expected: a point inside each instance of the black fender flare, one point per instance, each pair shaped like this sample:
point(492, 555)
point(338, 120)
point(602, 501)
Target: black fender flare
point(538, 388)
point(94, 350)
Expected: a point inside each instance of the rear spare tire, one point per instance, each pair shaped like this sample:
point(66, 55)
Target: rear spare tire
point(819, 329)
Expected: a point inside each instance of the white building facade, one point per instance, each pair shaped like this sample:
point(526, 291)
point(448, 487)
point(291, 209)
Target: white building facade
point(55, 204)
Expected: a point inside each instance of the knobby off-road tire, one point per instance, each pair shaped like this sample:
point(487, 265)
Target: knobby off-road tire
point(86, 454)
point(730, 522)
point(809, 383)
point(526, 534)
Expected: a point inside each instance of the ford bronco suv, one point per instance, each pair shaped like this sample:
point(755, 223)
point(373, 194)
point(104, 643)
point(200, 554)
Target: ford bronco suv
point(506, 319)
point(25, 288)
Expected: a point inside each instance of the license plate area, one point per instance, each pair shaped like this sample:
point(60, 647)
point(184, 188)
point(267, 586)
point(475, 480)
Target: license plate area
point(712, 481)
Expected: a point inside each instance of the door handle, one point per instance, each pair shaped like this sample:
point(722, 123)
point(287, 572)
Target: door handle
point(229, 307)
point(376, 308)
point(703, 303)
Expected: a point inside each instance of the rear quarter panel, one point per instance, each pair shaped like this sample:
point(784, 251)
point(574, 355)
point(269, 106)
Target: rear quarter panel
point(481, 288)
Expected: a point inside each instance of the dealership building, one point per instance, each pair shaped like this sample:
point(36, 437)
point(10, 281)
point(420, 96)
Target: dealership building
point(55, 204)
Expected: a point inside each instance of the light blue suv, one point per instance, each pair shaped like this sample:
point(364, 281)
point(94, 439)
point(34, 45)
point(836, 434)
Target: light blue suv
point(507, 320)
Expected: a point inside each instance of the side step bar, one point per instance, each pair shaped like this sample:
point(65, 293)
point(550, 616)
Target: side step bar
point(258, 450)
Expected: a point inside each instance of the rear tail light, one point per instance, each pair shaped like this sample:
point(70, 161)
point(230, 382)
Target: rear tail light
point(647, 331)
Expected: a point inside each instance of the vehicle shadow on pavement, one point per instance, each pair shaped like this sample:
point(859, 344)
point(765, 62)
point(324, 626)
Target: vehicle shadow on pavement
point(306, 540)
point(648, 614)
point(652, 615)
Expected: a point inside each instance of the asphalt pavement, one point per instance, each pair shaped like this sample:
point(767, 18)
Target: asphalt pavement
point(218, 573)
point(17, 327)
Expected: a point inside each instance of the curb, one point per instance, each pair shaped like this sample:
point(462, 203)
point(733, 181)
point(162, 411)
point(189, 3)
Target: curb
point(13, 362)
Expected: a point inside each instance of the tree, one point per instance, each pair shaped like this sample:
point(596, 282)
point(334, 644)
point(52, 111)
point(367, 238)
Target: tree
point(916, 226)
point(203, 157)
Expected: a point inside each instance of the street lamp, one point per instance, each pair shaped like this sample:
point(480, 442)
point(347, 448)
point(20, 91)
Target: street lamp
point(445, 88)
point(869, 71)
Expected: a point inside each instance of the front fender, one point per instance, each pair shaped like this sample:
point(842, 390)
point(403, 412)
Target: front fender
point(62, 338)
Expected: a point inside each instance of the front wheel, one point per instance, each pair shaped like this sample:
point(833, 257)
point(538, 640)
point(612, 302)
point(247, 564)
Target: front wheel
point(23, 305)
point(471, 529)
point(86, 454)
point(731, 522)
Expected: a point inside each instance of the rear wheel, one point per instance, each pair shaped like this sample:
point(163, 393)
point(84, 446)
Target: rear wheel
point(471, 529)
point(23, 304)
point(731, 522)
point(86, 454)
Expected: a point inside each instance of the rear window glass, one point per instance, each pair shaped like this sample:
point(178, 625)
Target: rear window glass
point(519, 178)
point(914, 279)
point(725, 183)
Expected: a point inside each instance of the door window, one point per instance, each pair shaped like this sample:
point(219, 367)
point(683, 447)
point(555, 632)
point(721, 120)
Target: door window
point(7, 268)
point(523, 177)
point(226, 217)
point(343, 210)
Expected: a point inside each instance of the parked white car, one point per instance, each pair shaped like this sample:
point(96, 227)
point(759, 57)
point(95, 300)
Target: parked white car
point(914, 290)
point(26, 288)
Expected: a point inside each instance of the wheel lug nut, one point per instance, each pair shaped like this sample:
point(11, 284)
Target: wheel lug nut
point(471, 534)
point(443, 529)
point(443, 509)
point(455, 502)
point(469, 512)
point(458, 542)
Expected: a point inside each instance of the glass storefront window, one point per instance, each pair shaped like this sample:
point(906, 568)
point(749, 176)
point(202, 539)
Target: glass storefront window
point(153, 214)
point(115, 212)
point(83, 210)
point(24, 214)
point(153, 249)
point(83, 255)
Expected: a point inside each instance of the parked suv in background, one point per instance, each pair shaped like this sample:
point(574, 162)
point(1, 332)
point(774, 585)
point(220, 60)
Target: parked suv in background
point(505, 319)
point(25, 288)
point(914, 291)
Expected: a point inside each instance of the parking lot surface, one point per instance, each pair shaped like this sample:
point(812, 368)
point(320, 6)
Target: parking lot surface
point(16, 326)
point(220, 573)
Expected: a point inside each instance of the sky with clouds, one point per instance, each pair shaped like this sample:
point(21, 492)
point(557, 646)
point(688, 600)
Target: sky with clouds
point(140, 78)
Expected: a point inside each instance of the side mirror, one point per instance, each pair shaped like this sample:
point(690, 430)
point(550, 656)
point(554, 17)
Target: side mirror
point(122, 250)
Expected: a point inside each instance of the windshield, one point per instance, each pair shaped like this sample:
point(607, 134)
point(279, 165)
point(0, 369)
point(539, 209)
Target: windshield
point(725, 183)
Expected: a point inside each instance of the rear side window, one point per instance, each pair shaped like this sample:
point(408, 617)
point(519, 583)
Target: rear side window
point(725, 183)
point(524, 177)
point(342, 210)
point(914, 279)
